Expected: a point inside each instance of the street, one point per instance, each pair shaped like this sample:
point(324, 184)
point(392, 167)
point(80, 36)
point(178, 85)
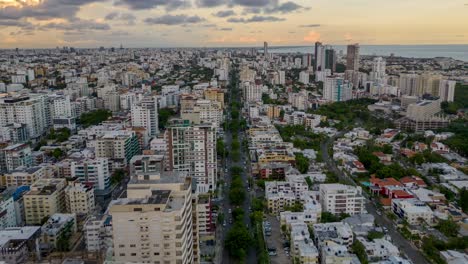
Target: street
point(244, 163)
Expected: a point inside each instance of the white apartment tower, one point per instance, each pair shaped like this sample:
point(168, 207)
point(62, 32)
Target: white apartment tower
point(336, 89)
point(378, 70)
point(92, 171)
point(154, 223)
point(30, 110)
point(339, 198)
point(447, 90)
point(192, 148)
point(145, 114)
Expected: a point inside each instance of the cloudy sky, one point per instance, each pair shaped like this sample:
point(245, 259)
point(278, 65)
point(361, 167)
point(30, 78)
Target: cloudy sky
point(210, 23)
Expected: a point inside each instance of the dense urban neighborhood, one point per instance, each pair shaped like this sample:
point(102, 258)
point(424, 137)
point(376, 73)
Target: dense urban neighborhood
point(232, 155)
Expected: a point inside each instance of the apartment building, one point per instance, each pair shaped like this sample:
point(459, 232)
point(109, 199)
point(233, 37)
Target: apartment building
point(145, 114)
point(7, 210)
point(413, 211)
point(119, 146)
point(146, 165)
point(45, 198)
point(57, 228)
point(339, 198)
point(302, 246)
point(31, 110)
point(92, 171)
point(98, 233)
point(17, 244)
point(154, 223)
point(79, 198)
point(337, 232)
point(204, 112)
point(192, 148)
point(214, 94)
point(15, 156)
point(26, 176)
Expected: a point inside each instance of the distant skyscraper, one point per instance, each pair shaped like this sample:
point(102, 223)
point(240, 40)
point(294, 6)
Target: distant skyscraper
point(145, 114)
point(378, 74)
point(265, 49)
point(319, 57)
point(330, 59)
point(336, 89)
point(352, 57)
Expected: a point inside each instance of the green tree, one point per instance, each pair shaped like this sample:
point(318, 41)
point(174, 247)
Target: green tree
point(238, 214)
point(302, 163)
point(94, 117)
point(57, 153)
point(374, 234)
point(448, 227)
point(360, 251)
point(327, 217)
point(117, 176)
point(164, 114)
point(463, 200)
point(238, 241)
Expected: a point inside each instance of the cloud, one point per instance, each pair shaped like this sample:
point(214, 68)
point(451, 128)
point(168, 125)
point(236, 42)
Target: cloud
point(226, 13)
point(245, 3)
point(76, 25)
point(310, 26)
point(284, 8)
point(43, 10)
point(116, 16)
point(225, 29)
point(312, 36)
point(210, 3)
point(255, 19)
point(208, 25)
point(150, 4)
point(172, 20)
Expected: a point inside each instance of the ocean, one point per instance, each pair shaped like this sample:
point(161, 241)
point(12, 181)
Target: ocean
point(459, 52)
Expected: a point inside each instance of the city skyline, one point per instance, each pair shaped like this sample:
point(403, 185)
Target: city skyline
point(229, 23)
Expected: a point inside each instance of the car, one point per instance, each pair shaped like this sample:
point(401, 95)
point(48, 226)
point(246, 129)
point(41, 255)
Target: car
point(224, 223)
point(385, 229)
point(229, 210)
point(271, 253)
point(230, 220)
point(379, 213)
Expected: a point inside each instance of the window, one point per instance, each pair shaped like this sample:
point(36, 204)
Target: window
point(122, 254)
point(132, 245)
point(133, 254)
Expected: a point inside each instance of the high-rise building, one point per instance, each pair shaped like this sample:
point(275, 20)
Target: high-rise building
point(252, 91)
point(30, 110)
point(154, 224)
point(304, 77)
point(119, 146)
point(341, 199)
point(79, 198)
point(192, 148)
point(447, 90)
point(15, 156)
point(352, 57)
point(145, 114)
point(336, 89)
point(319, 56)
point(265, 50)
point(330, 59)
point(92, 171)
point(282, 77)
point(45, 198)
point(378, 70)
point(409, 84)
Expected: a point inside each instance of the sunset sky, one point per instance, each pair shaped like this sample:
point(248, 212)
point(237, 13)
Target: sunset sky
point(213, 23)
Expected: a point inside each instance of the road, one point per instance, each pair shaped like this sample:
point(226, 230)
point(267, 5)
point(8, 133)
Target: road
point(243, 163)
point(409, 250)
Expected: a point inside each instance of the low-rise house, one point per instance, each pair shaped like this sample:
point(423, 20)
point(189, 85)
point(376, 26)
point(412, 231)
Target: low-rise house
point(57, 232)
point(413, 211)
point(302, 246)
point(18, 243)
point(383, 158)
point(413, 181)
point(378, 248)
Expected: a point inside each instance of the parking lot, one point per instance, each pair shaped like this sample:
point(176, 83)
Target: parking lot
point(276, 239)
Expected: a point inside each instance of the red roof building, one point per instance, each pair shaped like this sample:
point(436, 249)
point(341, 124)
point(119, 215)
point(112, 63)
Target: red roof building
point(413, 181)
